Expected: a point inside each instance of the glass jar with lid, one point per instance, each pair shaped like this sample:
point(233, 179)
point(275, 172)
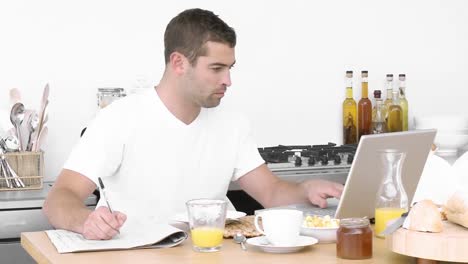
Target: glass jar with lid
point(106, 96)
point(354, 239)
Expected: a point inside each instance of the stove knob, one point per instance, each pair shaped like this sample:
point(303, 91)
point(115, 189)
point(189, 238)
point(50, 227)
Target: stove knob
point(312, 161)
point(337, 159)
point(350, 158)
point(298, 161)
point(324, 160)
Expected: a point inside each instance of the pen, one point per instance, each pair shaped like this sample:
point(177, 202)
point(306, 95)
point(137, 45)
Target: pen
point(104, 194)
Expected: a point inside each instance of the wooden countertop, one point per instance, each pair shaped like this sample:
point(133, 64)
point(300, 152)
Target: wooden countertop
point(38, 245)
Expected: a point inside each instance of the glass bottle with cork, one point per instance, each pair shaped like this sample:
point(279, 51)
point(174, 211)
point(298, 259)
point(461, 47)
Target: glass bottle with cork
point(364, 108)
point(395, 115)
point(349, 112)
point(403, 101)
point(392, 200)
point(389, 100)
point(378, 114)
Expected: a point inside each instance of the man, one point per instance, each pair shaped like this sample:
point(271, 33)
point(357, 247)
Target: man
point(156, 150)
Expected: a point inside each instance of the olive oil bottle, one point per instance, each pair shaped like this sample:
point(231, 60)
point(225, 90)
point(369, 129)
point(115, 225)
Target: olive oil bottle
point(395, 115)
point(349, 113)
point(364, 108)
point(389, 100)
point(403, 100)
point(378, 114)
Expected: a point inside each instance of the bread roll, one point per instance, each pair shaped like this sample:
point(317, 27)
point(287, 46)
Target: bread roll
point(456, 208)
point(425, 217)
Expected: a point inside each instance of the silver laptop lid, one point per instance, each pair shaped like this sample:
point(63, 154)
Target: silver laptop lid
point(364, 178)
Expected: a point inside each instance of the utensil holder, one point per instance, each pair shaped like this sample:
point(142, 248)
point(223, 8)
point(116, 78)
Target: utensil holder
point(29, 166)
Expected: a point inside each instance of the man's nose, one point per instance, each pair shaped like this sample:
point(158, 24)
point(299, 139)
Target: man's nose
point(227, 79)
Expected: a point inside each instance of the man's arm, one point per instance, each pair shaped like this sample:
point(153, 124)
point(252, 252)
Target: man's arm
point(271, 191)
point(65, 208)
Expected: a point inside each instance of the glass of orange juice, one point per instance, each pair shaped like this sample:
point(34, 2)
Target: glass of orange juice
point(206, 220)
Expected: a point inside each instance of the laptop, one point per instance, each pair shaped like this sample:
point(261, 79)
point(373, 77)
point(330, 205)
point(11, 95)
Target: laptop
point(365, 175)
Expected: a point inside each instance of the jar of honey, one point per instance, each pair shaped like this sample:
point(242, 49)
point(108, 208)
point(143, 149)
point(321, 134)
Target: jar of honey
point(354, 239)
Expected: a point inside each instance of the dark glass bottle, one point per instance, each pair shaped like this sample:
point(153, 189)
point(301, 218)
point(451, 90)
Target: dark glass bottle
point(364, 108)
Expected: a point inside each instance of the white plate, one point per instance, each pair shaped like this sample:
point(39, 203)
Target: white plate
point(182, 217)
point(262, 243)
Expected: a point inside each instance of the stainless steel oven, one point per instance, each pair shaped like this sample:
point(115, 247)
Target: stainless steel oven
point(21, 211)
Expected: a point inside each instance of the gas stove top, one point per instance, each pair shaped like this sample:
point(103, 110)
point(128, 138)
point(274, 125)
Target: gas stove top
point(327, 157)
point(296, 163)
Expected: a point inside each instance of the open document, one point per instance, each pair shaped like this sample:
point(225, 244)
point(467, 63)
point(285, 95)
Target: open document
point(133, 234)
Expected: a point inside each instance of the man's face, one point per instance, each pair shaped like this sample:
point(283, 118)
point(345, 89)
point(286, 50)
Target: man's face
point(209, 78)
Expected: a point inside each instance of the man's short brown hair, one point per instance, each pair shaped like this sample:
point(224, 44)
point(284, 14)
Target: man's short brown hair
point(188, 32)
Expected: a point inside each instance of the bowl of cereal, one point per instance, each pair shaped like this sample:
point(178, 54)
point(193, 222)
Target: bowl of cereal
point(321, 227)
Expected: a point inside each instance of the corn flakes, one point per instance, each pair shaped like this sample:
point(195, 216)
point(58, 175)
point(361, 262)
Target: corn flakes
point(318, 221)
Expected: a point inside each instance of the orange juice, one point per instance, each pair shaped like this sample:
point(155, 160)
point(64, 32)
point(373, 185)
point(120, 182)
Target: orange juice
point(383, 215)
point(206, 237)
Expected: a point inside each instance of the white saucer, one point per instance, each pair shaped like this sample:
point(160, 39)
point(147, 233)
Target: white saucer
point(182, 217)
point(262, 243)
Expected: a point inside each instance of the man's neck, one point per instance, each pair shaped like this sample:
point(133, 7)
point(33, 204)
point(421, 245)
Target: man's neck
point(184, 110)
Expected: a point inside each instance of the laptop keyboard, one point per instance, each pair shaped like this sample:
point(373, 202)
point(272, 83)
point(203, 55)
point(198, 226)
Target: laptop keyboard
point(308, 209)
point(320, 211)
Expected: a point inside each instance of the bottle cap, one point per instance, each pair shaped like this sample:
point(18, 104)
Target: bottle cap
point(364, 73)
point(389, 77)
point(377, 93)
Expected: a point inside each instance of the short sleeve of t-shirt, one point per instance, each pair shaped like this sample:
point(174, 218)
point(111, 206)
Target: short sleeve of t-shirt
point(99, 152)
point(248, 157)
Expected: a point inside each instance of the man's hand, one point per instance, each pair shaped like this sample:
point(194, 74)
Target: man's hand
point(101, 224)
point(317, 191)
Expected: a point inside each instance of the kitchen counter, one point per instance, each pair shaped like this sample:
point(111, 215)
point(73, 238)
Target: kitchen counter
point(42, 250)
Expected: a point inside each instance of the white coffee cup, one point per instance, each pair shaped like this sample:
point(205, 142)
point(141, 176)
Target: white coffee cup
point(280, 226)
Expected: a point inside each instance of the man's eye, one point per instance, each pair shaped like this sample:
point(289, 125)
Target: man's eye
point(217, 69)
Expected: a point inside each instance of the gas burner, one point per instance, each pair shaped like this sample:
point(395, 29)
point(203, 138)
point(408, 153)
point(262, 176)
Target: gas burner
point(329, 155)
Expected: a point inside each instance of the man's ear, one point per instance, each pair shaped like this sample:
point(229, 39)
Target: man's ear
point(178, 62)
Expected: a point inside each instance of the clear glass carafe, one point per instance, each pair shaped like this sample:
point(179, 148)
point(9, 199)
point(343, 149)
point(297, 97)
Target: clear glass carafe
point(391, 200)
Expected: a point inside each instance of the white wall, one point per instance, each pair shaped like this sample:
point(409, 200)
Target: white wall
point(291, 58)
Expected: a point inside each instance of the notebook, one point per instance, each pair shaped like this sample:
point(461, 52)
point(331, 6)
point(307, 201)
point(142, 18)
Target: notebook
point(365, 175)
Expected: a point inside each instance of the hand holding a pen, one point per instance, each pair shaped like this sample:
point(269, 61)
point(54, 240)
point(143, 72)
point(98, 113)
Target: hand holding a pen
point(103, 223)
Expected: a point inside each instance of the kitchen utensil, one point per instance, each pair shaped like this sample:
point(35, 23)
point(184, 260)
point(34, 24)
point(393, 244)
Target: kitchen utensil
point(44, 103)
point(16, 118)
point(394, 225)
point(3, 145)
point(30, 129)
point(25, 128)
point(240, 239)
point(41, 139)
point(4, 174)
point(17, 182)
point(12, 143)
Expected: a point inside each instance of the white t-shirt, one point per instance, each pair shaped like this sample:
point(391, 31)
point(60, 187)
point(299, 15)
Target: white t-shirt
point(152, 163)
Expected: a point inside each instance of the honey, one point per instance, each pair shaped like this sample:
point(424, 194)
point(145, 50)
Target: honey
point(354, 239)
